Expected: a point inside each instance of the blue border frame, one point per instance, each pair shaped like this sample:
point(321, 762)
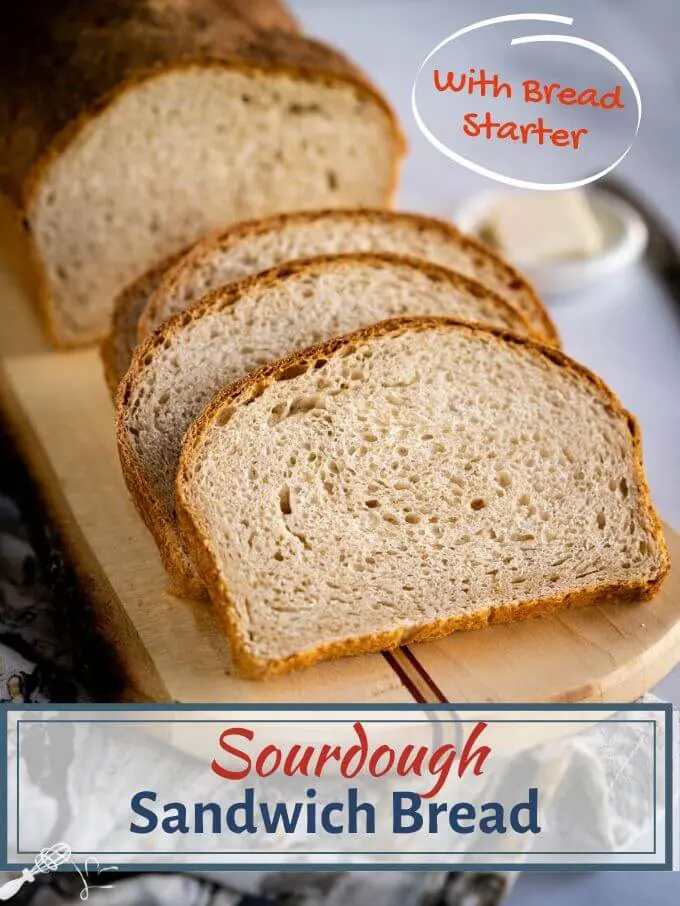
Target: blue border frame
point(662, 708)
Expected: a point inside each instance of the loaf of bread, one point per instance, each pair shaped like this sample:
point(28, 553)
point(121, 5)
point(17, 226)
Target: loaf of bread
point(129, 128)
point(248, 248)
point(121, 340)
point(415, 478)
point(177, 370)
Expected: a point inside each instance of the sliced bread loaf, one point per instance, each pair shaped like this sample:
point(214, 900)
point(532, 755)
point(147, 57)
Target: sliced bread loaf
point(121, 340)
point(412, 479)
point(177, 370)
point(247, 248)
point(129, 128)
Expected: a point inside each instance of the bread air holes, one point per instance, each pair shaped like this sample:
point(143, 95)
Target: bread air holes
point(594, 572)
point(525, 501)
point(504, 480)
point(224, 416)
point(284, 500)
point(303, 540)
point(299, 405)
point(296, 108)
point(256, 392)
point(352, 372)
point(303, 404)
point(293, 371)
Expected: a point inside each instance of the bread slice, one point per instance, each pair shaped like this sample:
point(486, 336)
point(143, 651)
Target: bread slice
point(177, 370)
point(408, 480)
point(247, 248)
point(119, 344)
point(127, 130)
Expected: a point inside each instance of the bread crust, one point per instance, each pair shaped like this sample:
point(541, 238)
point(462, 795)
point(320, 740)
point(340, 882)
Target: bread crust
point(252, 386)
point(89, 53)
point(118, 345)
point(226, 239)
point(60, 61)
point(186, 583)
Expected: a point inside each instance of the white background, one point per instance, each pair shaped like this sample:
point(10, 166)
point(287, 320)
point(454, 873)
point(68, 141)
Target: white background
point(628, 330)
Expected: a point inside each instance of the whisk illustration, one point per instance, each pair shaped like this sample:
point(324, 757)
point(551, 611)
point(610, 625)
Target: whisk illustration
point(47, 860)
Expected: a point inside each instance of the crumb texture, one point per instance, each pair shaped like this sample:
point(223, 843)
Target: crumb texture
point(414, 478)
point(178, 371)
point(218, 262)
point(217, 146)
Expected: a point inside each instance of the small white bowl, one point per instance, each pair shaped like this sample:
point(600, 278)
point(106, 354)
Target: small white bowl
point(625, 239)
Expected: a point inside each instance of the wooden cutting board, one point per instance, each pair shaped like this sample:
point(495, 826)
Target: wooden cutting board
point(171, 649)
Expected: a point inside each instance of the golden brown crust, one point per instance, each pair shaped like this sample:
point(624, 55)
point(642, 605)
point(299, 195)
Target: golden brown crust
point(252, 386)
point(225, 239)
point(255, 668)
point(88, 53)
point(119, 344)
point(61, 59)
point(155, 516)
point(342, 75)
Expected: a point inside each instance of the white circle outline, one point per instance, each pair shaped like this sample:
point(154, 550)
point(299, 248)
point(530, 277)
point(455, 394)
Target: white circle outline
point(528, 39)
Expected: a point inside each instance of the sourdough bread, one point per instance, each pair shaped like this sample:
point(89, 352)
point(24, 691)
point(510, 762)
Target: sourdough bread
point(119, 344)
point(177, 370)
point(247, 248)
point(412, 479)
point(129, 129)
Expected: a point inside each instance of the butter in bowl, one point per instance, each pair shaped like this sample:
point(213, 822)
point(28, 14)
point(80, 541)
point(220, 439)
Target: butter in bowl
point(564, 241)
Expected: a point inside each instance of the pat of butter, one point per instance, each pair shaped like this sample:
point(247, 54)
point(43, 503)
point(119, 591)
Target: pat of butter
point(540, 226)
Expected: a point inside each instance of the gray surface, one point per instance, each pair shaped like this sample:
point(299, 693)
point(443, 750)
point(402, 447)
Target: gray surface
point(627, 330)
